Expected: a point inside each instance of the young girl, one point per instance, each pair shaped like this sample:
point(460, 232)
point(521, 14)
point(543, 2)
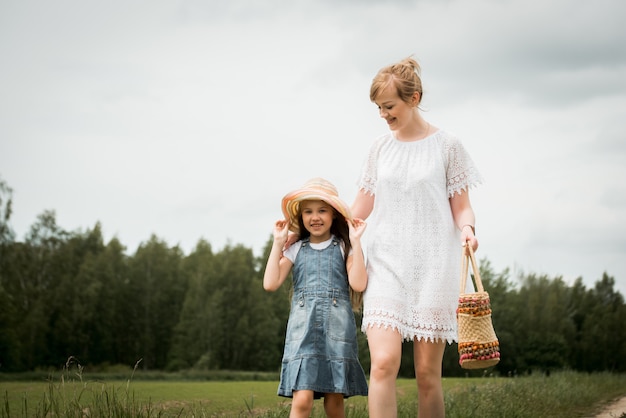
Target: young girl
point(321, 353)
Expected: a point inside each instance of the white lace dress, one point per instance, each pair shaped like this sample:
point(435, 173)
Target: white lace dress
point(413, 244)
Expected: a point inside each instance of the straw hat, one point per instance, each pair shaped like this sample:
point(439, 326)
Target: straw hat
point(314, 189)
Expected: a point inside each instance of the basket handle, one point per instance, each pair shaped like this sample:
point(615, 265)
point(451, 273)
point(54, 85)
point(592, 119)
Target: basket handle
point(468, 257)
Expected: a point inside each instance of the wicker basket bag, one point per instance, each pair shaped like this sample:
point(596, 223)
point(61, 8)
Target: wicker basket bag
point(478, 345)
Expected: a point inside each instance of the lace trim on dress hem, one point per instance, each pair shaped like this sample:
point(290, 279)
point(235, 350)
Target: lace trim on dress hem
point(425, 328)
point(418, 333)
point(374, 316)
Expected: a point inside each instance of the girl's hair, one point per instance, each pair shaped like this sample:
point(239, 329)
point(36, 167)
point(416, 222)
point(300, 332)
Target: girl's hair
point(404, 76)
point(340, 229)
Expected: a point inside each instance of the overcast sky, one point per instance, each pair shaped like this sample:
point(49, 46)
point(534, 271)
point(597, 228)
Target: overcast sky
point(191, 119)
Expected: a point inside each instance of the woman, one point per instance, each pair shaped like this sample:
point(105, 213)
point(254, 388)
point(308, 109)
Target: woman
point(414, 185)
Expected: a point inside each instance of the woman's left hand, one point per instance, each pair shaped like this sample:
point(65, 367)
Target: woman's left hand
point(467, 237)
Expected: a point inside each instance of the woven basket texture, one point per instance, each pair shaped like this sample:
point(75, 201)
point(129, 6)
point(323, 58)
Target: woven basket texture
point(478, 344)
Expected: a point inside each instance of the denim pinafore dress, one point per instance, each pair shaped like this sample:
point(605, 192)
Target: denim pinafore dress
point(321, 352)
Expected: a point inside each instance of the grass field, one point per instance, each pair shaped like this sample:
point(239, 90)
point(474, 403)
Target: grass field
point(560, 395)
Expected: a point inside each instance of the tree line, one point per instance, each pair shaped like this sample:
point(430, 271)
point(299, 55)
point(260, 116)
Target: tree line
point(68, 293)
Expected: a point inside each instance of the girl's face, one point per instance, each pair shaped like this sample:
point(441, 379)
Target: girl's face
point(393, 109)
point(317, 217)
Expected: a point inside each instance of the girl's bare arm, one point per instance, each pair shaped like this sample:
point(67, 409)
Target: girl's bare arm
point(277, 267)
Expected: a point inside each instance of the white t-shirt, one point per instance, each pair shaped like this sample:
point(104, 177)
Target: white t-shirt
point(293, 249)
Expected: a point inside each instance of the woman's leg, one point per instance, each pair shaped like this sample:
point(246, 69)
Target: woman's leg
point(428, 358)
point(333, 405)
point(385, 347)
point(302, 404)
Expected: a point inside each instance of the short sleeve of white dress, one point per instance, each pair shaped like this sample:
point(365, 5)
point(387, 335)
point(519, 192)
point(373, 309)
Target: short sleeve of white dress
point(413, 247)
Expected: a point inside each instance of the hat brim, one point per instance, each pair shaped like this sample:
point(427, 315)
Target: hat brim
point(291, 205)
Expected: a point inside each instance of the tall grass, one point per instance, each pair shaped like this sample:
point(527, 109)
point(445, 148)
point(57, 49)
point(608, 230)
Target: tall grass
point(71, 397)
point(563, 394)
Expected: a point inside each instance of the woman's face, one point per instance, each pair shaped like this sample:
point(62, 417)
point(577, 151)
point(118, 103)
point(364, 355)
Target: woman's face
point(317, 217)
point(393, 109)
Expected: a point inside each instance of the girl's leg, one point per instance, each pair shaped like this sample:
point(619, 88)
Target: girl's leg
point(302, 404)
point(385, 347)
point(428, 359)
point(333, 405)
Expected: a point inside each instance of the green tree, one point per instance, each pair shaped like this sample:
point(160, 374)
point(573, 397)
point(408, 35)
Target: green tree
point(102, 278)
point(579, 305)
point(191, 339)
point(603, 330)
point(9, 343)
point(72, 300)
point(230, 306)
point(156, 290)
point(546, 324)
point(36, 275)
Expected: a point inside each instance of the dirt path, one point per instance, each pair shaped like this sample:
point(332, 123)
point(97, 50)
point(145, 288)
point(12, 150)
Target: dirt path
point(616, 409)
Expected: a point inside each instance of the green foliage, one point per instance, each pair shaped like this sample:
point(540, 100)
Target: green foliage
point(68, 294)
point(155, 291)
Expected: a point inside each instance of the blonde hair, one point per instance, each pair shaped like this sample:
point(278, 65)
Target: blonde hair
point(404, 76)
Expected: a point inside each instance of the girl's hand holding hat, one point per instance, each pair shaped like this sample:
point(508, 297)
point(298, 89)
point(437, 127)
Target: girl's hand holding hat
point(281, 229)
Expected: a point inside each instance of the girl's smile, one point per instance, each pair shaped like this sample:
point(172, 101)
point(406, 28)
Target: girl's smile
point(317, 217)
